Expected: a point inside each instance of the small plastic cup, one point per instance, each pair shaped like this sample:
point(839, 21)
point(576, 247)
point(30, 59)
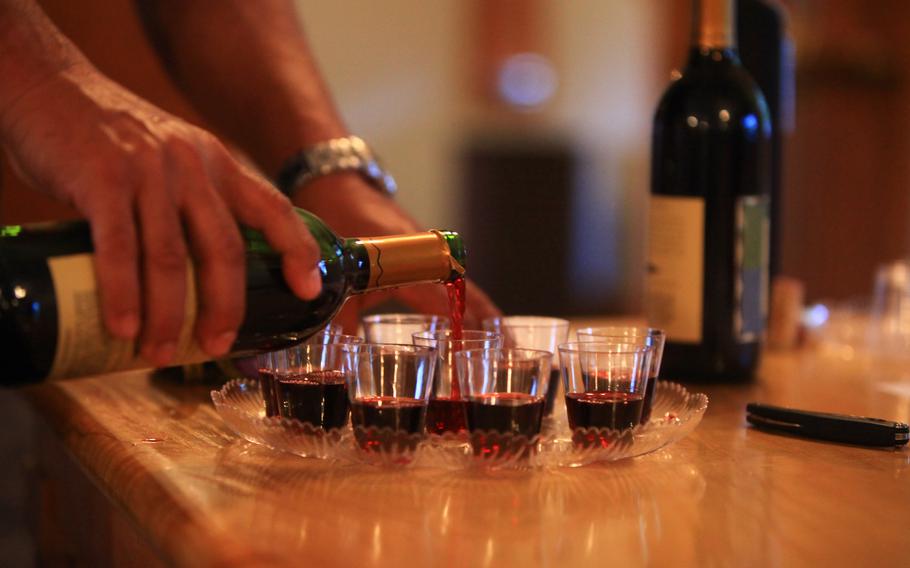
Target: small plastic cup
point(534, 332)
point(605, 388)
point(506, 393)
point(889, 321)
point(648, 336)
point(388, 387)
point(399, 328)
point(307, 383)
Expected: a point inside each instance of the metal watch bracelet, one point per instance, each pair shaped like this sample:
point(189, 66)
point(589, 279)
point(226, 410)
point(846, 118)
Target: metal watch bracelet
point(346, 154)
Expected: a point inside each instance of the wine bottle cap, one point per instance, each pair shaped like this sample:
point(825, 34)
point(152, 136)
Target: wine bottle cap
point(407, 259)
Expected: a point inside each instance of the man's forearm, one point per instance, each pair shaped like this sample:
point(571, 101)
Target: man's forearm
point(247, 68)
point(32, 49)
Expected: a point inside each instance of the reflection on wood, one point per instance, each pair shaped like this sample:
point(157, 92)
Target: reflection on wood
point(727, 495)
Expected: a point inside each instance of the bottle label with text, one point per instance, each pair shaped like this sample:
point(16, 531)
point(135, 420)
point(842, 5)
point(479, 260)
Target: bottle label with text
point(83, 345)
point(675, 269)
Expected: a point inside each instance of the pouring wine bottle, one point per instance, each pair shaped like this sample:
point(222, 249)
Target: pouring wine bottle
point(50, 324)
point(707, 277)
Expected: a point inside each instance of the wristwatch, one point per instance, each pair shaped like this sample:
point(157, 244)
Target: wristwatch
point(349, 153)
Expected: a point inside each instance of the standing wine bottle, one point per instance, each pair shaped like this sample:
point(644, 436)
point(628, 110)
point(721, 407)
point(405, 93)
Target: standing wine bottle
point(707, 276)
point(50, 324)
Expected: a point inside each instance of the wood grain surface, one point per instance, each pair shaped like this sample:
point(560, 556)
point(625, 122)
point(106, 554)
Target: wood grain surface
point(725, 496)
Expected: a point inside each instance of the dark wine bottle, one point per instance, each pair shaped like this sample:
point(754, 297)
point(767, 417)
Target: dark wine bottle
point(707, 278)
point(50, 324)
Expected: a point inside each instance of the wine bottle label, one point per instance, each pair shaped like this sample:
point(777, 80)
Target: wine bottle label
point(752, 232)
point(675, 270)
point(83, 345)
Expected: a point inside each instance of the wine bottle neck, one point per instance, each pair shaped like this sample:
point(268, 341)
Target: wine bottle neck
point(388, 262)
point(713, 25)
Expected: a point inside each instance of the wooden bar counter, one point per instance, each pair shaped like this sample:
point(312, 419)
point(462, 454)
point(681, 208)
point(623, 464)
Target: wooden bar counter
point(141, 471)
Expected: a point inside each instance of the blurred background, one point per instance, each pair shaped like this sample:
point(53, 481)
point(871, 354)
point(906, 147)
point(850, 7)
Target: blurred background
point(525, 124)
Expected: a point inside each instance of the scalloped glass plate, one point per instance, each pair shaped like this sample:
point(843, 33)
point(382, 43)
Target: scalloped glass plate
point(675, 413)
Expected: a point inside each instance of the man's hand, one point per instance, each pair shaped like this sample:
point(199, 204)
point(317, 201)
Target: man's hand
point(157, 192)
point(354, 209)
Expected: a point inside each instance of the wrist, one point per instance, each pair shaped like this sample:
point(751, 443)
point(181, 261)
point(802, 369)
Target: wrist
point(338, 181)
point(352, 207)
point(54, 92)
point(348, 154)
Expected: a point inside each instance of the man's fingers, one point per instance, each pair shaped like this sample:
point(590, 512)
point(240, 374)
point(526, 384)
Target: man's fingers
point(116, 262)
point(257, 204)
point(218, 251)
point(164, 264)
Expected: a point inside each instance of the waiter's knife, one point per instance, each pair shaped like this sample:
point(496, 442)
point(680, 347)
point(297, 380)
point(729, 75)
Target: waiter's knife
point(841, 428)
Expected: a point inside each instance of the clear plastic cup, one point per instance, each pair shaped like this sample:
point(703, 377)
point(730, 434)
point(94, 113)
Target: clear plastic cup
point(605, 387)
point(399, 328)
point(505, 392)
point(534, 332)
point(647, 336)
point(388, 387)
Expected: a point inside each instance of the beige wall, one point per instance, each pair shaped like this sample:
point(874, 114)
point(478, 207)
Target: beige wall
point(393, 67)
point(608, 53)
point(398, 69)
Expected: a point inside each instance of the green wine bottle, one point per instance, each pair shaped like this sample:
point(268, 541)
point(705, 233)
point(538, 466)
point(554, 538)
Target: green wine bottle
point(51, 326)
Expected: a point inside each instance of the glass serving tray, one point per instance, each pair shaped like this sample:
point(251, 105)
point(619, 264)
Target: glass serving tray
point(675, 413)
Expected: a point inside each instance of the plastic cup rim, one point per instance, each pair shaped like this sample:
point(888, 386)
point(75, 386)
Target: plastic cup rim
point(571, 347)
point(405, 347)
point(399, 318)
point(537, 352)
point(556, 323)
point(649, 331)
point(426, 334)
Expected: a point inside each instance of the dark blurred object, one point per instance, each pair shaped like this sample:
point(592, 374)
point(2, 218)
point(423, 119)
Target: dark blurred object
point(518, 199)
point(214, 373)
point(767, 53)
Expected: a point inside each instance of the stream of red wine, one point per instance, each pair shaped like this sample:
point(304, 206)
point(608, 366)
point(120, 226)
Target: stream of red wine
point(456, 291)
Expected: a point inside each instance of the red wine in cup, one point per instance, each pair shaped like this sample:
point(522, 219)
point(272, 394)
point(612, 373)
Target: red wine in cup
point(450, 414)
point(385, 422)
point(319, 398)
point(496, 419)
point(605, 409)
point(446, 415)
point(507, 413)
